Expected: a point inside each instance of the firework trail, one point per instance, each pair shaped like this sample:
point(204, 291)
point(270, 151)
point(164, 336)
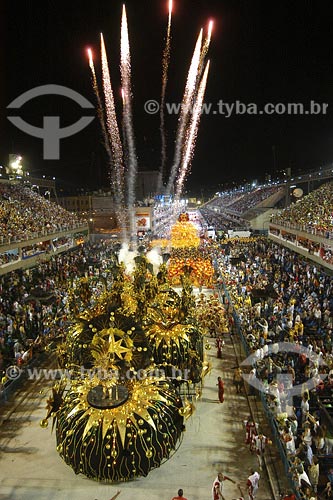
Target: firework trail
point(165, 68)
point(100, 111)
point(206, 44)
point(114, 137)
point(192, 134)
point(125, 69)
point(123, 132)
point(204, 50)
point(189, 94)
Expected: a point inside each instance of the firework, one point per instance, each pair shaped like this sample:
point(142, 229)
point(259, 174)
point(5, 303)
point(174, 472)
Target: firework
point(125, 70)
point(209, 36)
point(185, 111)
point(165, 68)
point(122, 151)
point(192, 133)
point(117, 176)
point(100, 111)
point(205, 48)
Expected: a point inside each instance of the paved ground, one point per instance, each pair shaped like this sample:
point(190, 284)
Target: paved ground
point(30, 467)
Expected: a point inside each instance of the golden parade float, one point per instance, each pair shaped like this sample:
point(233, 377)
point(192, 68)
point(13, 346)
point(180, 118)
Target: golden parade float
point(188, 257)
point(119, 409)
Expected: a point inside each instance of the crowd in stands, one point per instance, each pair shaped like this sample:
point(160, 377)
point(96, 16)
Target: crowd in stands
point(312, 214)
point(281, 297)
point(252, 198)
point(25, 214)
point(222, 221)
point(34, 302)
point(7, 257)
point(241, 200)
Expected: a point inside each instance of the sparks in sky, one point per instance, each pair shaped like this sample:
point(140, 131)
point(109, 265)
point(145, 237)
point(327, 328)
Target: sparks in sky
point(117, 175)
point(192, 133)
point(188, 123)
point(186, 109)
point(100, 110)
point(165, 70)
point(125, 71)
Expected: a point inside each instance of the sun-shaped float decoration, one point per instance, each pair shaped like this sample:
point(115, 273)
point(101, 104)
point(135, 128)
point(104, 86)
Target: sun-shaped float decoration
point(117, 431)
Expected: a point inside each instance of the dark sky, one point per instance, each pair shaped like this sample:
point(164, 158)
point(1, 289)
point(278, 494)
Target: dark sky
point(261, 52)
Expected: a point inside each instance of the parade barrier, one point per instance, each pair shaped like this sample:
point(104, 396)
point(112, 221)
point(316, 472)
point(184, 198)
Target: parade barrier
point(16, 376)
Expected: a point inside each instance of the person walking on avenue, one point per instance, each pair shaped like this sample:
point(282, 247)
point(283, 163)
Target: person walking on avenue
point(260, 443)
point(250, 432)
point(253, 484)
point(220, 385)
point(217, 488)
point(180, 495)
point(238, 379)
point(219, 345)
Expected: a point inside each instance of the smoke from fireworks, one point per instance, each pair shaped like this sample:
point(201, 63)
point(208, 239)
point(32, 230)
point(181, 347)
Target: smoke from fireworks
point(165, 68)
point(114, 137)
point(186, 106)
point(125, 70)
point(192, 134)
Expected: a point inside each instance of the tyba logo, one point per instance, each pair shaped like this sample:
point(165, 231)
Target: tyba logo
point(51, 133)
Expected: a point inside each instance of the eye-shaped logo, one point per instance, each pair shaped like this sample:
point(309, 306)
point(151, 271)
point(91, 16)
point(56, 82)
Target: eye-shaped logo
point(316, 364)
point(51, 133)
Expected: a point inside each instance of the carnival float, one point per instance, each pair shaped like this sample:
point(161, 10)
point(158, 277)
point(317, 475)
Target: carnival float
point(128, 361)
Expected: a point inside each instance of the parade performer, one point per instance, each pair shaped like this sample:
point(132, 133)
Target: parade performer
point(220, 385)
point(250, 432)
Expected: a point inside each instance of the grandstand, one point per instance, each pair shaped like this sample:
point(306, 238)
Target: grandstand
point(304, 225)
point(33, 228)
point(307, 226)
point(244, 208)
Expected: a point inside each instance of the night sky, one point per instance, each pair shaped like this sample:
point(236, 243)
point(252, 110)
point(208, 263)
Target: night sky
point(261, 52)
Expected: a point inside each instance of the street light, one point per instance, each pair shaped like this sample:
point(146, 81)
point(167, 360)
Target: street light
point(15, 166)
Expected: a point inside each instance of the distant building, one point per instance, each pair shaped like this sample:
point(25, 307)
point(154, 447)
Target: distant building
point(98, 209)
point(146, 184)
point(80, 205)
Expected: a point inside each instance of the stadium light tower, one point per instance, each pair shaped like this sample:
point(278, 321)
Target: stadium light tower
point(15, 166)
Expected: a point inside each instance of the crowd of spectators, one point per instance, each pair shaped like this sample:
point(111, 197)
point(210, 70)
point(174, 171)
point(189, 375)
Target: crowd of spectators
point(241, 200)
point(34, 303)
point(25, 214)
point(222, 221)
point(312, 214)
point(8, 257)
point(280, 297)
point(252, 198)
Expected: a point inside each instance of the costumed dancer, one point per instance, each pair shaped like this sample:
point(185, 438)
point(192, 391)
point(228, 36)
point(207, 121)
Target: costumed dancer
point(251, 430)
point(219, 343)
point(220, 385)
point(252, 484)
